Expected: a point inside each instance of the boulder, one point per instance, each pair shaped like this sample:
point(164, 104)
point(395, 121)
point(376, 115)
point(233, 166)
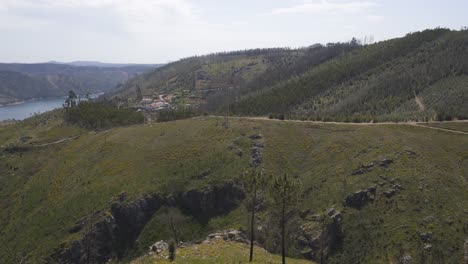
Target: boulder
point(256, 136)
point(360, 198)
point(390, 193)
point(405, 259)
point(385, 162)
point(259, 144)
point(426, 236)
point(328, 233)
point(427, 247)
point(229, 235)
point(363, 169)
point(239, 152)
point(159, 247)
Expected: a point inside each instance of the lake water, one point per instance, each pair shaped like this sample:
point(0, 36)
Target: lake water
point(27, 109)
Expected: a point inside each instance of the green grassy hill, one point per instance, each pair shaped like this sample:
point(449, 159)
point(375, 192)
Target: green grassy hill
point(57, 196)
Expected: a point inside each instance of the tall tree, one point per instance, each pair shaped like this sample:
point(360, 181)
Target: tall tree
point(71, 99)
point(139, 94)
point(253, 181)
point(284, 191)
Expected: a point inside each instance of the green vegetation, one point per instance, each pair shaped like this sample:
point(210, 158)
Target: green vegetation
point(285, 192)
point(419, 77)
point(209, 82)
point(59, 168)
point(376, 82)
point(45, 190)
point(456, 126)
point(177, 114)
point(254, 182)
point(218, 252)
point(101, 115)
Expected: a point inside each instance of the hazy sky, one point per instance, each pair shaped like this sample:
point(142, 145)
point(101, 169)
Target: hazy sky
point(155, 31)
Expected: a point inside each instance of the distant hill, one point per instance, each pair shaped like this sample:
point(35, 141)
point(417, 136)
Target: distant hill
point(105, 65)
point(20, 82)
point(421, 76)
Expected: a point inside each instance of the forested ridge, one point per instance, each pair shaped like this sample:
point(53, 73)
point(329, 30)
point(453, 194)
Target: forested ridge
point(421, 76)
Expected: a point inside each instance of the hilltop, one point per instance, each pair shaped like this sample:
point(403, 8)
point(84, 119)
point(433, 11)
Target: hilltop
point(421, 76)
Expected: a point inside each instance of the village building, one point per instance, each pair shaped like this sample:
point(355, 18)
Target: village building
point(146, 100)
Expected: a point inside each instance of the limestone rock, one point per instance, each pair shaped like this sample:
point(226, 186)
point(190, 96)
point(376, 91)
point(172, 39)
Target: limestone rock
point(159, 247)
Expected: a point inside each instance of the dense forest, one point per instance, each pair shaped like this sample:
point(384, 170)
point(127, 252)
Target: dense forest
point(421, 76)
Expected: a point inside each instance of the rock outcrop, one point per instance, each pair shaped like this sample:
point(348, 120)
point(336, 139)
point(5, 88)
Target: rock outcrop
point(385, 163)
point(363, 169)
point(159, 247)
point(360, 198)
point(115, 230)
point(227, 235)
point(257, 150)
point(210, 201)
point(466, 251)
point(322, 235)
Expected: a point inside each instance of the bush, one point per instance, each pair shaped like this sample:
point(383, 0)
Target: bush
point(172, 115)
point(101, 115)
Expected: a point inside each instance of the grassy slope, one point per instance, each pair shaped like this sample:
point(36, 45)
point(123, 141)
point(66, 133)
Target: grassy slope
point(218, 252)
point(194, 74)
point(55, 186)
point(457, 126)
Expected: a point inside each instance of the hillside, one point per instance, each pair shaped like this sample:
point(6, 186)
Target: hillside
point(421, 76)
point(20, 82)
point(209, 81)
point(106, 65)
point(398, 190)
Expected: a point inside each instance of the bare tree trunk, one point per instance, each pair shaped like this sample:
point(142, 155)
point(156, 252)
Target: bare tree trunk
point(283, 233)
point(174, 231)
point(252, 223)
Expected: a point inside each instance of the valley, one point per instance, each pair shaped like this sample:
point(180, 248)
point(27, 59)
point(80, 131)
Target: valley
point(346, 152)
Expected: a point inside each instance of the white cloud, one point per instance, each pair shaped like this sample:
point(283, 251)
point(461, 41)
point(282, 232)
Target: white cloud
point(374, 18)
point(135, 15)
point(325, 6)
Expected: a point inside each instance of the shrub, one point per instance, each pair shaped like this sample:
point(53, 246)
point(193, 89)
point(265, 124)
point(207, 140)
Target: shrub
point(101, 115)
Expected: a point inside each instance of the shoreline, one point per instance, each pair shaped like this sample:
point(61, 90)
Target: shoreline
point(29, 100)
point(20, 102)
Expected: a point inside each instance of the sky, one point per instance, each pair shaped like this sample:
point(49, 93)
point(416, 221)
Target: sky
point(160, 31)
